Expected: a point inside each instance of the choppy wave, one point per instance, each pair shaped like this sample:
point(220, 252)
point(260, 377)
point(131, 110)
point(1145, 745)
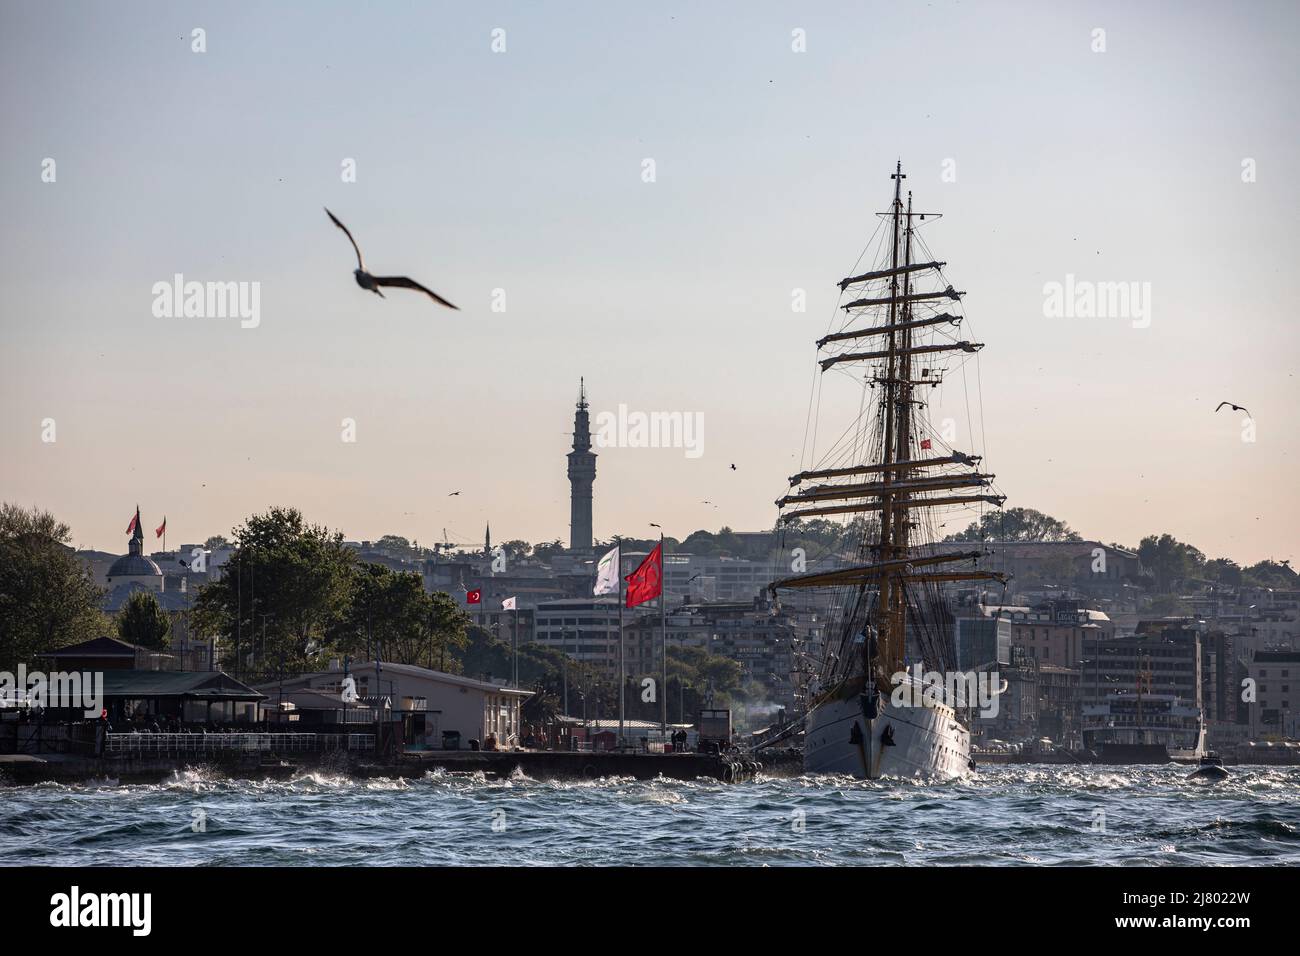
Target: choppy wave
point(1114, 816)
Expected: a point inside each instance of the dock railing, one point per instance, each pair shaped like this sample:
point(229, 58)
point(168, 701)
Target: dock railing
point(268, 743)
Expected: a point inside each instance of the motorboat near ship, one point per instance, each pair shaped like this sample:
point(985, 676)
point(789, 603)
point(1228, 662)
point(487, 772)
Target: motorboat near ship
point(1211, 770)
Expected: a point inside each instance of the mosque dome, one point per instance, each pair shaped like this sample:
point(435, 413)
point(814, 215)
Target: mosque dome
point(135, 564)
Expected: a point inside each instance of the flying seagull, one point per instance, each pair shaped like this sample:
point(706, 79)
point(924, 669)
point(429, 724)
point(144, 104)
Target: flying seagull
point(373, 282)
point(1235, 408)
point(453, 493)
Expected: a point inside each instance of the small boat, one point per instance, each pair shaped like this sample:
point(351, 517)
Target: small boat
point(1211, 769)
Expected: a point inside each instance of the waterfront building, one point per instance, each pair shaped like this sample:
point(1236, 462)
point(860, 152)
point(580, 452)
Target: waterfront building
point(584, 628)
point(1087, 567)
point(158, 697)
point(432, 706)
point(980, 640)
point(711, 577)
point(109, 653)
point(1276, 675)
point(304, 710)
point(97, 654)
point(1162, 658)
point(1222, 673)
point(1053, 632)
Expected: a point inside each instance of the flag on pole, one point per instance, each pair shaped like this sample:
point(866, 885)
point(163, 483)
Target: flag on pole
point(607, 574)
point(474, 597)
point(135, 522)
point(161, 529)
point(508, 604)
point(925, 443)
point(646, 582)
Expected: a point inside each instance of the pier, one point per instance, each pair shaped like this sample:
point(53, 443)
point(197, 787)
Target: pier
point(62, 755)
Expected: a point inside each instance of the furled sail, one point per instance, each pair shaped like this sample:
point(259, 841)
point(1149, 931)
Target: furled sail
point(890, 273)
point(952, 458)
point(876, 489)
point(947, 293)
point(912, 350)
point(886, 329)
point(862, 572)
point(869, 506)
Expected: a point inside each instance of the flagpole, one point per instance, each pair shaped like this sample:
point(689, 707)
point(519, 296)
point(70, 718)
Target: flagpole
point(663, 640)
point(622, 678)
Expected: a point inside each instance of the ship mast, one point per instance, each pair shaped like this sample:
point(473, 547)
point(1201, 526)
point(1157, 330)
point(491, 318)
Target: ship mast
point(887, 549)
point(903, 477)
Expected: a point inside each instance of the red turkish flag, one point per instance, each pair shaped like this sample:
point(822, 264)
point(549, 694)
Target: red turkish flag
point(925, 443)
point(135, 523)
point(646, 582)
point(158, 532)
point(474, 597)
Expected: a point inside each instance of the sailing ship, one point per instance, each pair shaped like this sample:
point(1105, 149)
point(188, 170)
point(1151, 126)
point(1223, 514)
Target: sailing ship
point(891, 476)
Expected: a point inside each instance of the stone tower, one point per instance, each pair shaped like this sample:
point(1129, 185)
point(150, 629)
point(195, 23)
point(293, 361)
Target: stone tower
point(582, 474)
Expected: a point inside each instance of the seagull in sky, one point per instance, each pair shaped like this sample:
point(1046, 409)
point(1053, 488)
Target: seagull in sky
point(1235, 408)
point(453, 494)
point(373, 282)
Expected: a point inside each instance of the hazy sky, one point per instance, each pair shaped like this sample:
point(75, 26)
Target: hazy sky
point(522, 170)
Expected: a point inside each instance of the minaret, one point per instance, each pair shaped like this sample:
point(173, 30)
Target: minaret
point(582, 473)
point(136, 545)
point(487, 541)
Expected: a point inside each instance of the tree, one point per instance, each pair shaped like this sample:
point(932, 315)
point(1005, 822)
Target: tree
point(545, 552)
point(47, 597)
point(142, 621)
point(692, 673)
point(819, 537)
point(1016, 524)
point(1223, 571)
point(516, 548)
point(1169, 560)
point(392, 617)
point(216, 542)
point(285, 586)
point(1270, 574)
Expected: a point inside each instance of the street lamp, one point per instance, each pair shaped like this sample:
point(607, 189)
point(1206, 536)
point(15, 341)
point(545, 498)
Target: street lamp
point(663, 635)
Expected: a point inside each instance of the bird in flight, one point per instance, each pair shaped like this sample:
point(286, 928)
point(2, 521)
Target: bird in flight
point(1235, 408)
point(453, 493)
point(373, 282)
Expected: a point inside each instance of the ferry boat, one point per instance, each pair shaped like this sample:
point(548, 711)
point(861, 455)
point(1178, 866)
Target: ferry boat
point(1130, 727)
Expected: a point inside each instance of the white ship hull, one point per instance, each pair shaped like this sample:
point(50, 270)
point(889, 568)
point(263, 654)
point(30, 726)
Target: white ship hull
point(929, 741)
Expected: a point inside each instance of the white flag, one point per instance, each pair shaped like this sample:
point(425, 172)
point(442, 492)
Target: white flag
point(607, 574)
point(508, 604)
